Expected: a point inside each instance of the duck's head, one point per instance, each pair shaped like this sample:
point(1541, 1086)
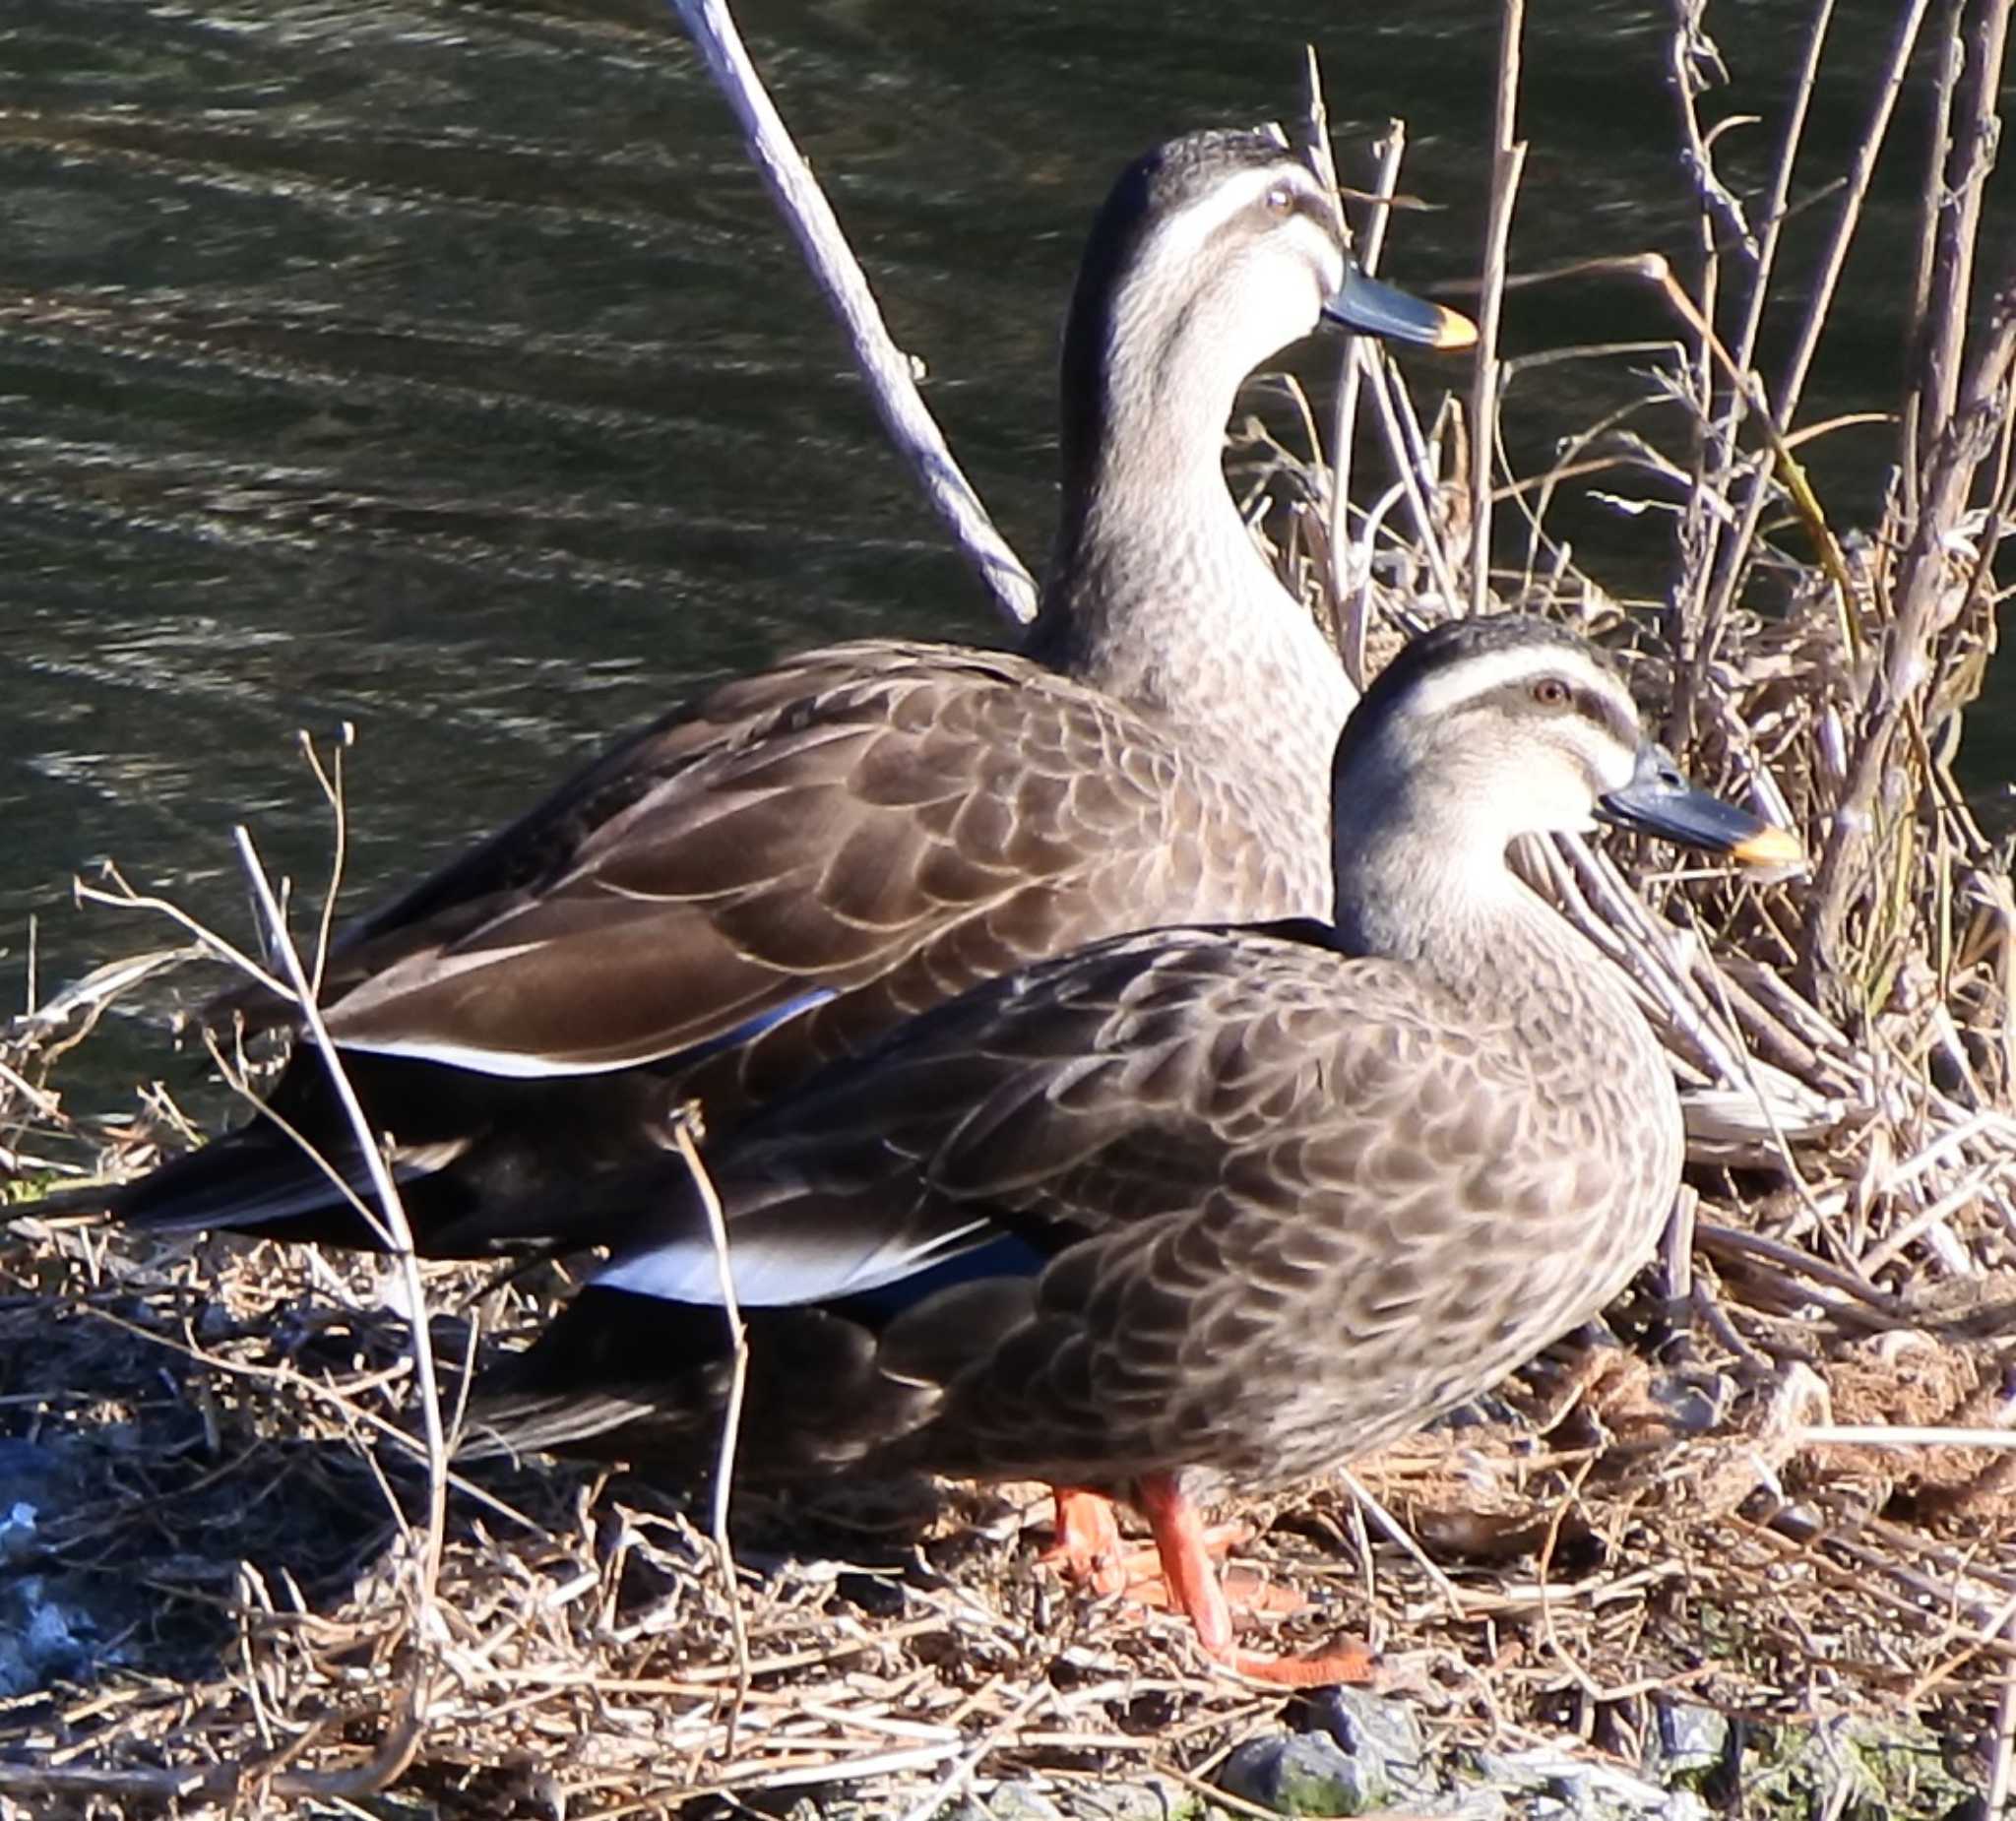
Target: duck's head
point(1483, 730)
point(1209, 254)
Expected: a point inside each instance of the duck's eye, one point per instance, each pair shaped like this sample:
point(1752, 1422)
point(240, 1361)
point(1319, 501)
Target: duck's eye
point(1551, 692)
point(1279, 201)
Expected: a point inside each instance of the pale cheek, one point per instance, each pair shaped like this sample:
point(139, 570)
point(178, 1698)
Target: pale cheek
point(1619, 775)
point(1284, 298)
point(1271, 303)
point(1319, 253)
point(1543, 801)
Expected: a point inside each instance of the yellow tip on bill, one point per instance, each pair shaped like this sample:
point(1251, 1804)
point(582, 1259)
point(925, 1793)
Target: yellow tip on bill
point(1454, 330)
point(1771, 846)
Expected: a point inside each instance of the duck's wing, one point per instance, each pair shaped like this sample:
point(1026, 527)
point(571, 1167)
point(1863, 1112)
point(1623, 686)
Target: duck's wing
point(934, 822)
point(526, 858)
point(1111, 1216)
point(928, 1187)
point(1335, 1220)
point(924, 1185)
point(725, 903)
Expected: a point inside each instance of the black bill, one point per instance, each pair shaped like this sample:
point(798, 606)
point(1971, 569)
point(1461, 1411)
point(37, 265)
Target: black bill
point(1659, 800)
point(1371, 308)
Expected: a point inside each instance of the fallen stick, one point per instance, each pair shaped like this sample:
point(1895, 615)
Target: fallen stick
point(889, 371)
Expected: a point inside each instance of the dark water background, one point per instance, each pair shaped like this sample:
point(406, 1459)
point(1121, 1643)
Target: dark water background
point(441, 368)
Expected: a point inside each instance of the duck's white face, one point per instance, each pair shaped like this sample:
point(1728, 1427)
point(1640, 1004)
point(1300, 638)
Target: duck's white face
point(1238, 271)
point(1525, 740)
point(1485, 729)
point(1475, 735)
point(1262, 248)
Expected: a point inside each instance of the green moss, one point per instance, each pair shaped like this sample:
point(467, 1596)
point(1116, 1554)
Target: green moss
point(1861, 1770)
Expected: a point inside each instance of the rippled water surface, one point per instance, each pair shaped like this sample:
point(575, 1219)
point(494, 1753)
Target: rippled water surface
point(441, 368)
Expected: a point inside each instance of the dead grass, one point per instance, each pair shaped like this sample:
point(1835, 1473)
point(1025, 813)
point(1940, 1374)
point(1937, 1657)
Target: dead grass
point(1787, 1491)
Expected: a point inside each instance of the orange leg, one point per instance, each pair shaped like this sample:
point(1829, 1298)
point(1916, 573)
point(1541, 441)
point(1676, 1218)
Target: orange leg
point(1194, 1589)
point(1088, 1547)
point(1089, 1550)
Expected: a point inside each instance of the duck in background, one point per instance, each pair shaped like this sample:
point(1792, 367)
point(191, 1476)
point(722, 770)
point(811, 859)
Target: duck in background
point(793, 861)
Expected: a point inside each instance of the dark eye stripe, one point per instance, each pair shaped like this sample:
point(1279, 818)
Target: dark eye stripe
point(1595, 707)
point(1303, 201)
point(1611, 715)
point(1313, 209)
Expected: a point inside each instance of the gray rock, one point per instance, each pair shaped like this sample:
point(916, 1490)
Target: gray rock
point(1360, 1720)
point(1686, 1741)
point(1695, 1401)
point(1373, 1727)
point(1152, 1798)
point(1306, 1774)
point(1471, 1805)
point(44, 1638)
point(1009, 1802)
point(1545, 1785)
point(33, 1479)
point(18, 1530)
point(1146, 1799)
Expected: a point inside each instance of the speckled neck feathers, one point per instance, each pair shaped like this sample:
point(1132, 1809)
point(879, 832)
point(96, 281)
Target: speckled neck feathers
point(1447, 760)
point(1158, 595)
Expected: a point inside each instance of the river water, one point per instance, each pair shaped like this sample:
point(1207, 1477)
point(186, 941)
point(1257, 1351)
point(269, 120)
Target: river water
point(440, 368)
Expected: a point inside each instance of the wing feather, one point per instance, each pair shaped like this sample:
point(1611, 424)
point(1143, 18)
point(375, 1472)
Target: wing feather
point(908, 833)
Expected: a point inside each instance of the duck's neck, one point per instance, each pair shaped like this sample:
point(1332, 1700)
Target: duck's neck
point(1412, 887)
point(1158, 595)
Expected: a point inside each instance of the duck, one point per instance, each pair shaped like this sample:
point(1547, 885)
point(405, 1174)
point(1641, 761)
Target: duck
point(1202, 1210)
point(789, 863)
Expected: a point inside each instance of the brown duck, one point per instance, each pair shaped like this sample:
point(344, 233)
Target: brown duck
point(796, 860)
point(1201, 1209)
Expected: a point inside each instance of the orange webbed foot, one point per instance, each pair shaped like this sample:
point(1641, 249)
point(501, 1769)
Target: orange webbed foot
point(1194, 1589)
point(1087, 1548)
point(1348, 1663)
